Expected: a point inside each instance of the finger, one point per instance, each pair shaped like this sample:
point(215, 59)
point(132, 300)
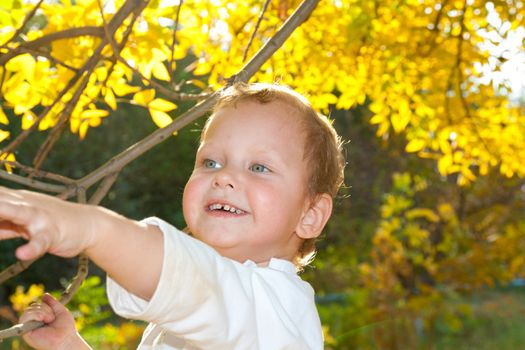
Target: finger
point(38, 312)
point(54, 304)
point(9, 230)
point(15, 212)
point(35, 248)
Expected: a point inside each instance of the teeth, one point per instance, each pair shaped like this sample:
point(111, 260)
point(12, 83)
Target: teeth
point(225, 207)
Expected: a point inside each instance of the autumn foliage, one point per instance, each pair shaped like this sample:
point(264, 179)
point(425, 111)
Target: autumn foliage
point(447, 213)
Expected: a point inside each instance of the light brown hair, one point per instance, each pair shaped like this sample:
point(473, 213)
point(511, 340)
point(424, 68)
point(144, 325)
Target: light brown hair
point(322, 144)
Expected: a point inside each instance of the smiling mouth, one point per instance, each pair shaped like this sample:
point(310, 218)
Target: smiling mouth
point(225, 208)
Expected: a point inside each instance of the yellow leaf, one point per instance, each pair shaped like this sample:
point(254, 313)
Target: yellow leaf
point(74, 125)
point(376, 107)
point(162, 105)
point(23, 63)
point(4, 135)
point(444, 164)
point(144, 97)
point(202, 68)
point(22, 97)
point(82, 131)
point(3, 117)
point(28, 119)
point(94, 113)
point(84, 308)
point(101, 73)
point(160, 71)
point(198, 83)
point(415, 145)
point(483, 169)
point(94, 122)
point(123, 89)
point(377, 119)
point(109, 97)
point(161, 119)
point(401, 119)
point(10, 157)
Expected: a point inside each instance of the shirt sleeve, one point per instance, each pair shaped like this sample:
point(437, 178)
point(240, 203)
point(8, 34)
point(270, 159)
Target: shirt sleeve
point(215, 302)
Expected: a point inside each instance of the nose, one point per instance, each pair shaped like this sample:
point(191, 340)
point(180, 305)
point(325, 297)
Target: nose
point(223, 179)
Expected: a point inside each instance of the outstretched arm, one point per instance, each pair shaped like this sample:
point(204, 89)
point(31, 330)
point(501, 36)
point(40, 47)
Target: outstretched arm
point(129, 251)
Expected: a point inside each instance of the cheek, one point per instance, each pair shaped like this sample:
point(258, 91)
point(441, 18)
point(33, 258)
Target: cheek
point(263, 194)
point(273, 199)
point(190, 197)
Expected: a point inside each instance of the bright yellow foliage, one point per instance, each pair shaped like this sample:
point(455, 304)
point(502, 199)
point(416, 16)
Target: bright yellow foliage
point(416, 62)
point(21, 298)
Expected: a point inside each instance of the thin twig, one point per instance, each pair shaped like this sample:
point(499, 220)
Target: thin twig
point(173, 43)
point(15, 269)
point(103, 189)
point(34, 184)
point(461, 78)
point(431, 43)
point(55, 133)
point(46, 40)
point(76, 282)
point(38, 173)
point(259, 20)
point(296, 19)
point(19, 329)
point(2, 79)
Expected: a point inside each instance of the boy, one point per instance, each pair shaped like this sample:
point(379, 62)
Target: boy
point(261, 191)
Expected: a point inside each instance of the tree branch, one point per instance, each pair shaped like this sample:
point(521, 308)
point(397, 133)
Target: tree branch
point(37, 185)
point(55, 133)
point(38, 173)
point(103, 189)
point(296, 19)
point(15, 269)
point(48, 39)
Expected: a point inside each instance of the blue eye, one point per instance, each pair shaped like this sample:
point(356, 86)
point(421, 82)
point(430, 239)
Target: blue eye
point(211, 164)
point(259, 168)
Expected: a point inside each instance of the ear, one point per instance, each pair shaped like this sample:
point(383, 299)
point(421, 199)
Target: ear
point(315, 217)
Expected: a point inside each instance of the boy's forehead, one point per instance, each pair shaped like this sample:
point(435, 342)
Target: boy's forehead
point(263, 122)
point(276, 111)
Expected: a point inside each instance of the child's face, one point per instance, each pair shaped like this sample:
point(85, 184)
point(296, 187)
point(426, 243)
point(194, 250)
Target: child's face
point(247, 192)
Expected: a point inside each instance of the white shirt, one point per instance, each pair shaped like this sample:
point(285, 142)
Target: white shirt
point(206, 301)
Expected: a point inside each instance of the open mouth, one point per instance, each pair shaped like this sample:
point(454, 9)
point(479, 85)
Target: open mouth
point(226, 208)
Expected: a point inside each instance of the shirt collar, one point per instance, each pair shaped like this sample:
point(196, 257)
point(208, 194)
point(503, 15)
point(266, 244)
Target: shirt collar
point(276, 264)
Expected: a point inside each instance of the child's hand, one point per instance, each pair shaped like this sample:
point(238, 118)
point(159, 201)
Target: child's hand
point(48, 223)
point(66, 229)
point(59, 331)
